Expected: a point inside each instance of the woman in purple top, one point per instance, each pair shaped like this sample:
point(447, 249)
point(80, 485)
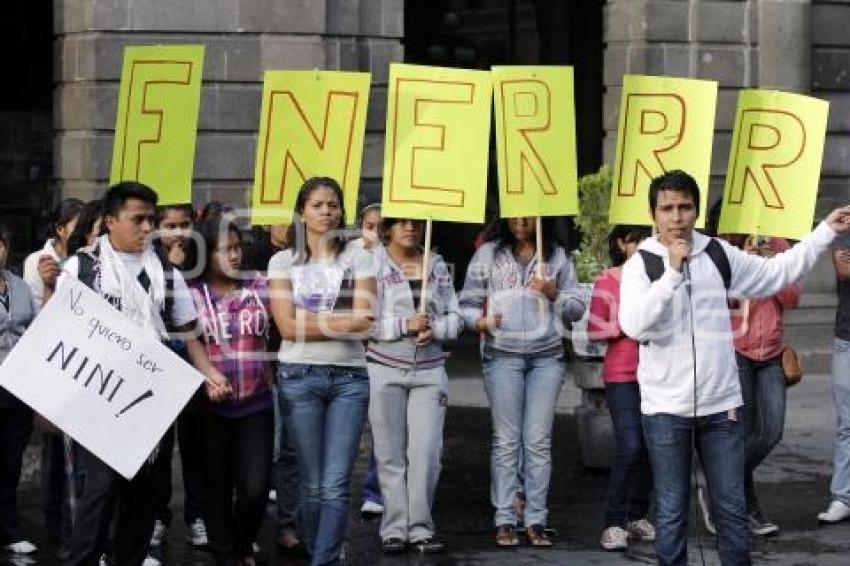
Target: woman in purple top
point(239, 423)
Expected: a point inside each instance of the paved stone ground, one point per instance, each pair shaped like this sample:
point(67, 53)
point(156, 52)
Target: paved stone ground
point(793, 484)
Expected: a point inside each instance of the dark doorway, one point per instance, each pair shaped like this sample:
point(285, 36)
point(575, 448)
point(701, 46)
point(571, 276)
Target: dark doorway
point(477, 34)
point(26, 124)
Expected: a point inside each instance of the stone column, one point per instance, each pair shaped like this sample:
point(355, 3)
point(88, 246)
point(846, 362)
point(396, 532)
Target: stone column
point(785, 45)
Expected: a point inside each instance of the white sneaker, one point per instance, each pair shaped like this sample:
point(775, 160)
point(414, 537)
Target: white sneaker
point(151, 561)
point(158, 533)
point(21, 547)
point(196, 535)
point(614, 538)
point(641, 529)
point(371, 508)
point(837, 512)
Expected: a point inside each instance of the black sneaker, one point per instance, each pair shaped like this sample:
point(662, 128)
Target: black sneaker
point(428, 546)
point(761, 525)
point(393, 546)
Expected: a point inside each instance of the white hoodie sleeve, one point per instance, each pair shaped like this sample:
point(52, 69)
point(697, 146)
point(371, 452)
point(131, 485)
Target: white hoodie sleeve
point(642, 303)
point(755, 276)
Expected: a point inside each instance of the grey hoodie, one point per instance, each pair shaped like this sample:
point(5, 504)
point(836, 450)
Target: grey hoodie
point(14, 322)
point(391, 345)
point(497, 280)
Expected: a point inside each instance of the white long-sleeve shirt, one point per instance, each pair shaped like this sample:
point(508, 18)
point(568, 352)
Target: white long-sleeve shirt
point(658, 316)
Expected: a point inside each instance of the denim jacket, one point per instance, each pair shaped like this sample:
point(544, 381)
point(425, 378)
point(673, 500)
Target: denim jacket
point(495, 280)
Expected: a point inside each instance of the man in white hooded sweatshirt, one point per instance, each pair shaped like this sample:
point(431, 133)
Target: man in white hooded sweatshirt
point(674, 302)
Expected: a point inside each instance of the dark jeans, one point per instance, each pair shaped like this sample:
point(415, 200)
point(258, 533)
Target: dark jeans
point(326, 407)
point(15, 429)
point(763, 388)
point(190, 434)
point(630, 480)
point(720, 444)
point(371, 487)
point(284, 472)
point(238, 459)
point(107, 493)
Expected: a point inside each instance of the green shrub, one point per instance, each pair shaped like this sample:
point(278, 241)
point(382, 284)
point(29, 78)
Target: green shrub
point(594, 197)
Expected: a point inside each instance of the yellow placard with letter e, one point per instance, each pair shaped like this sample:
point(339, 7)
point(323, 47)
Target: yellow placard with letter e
point(535, 141)
point(157, 122)
point(774, 164)
point(437, 138)
point(312, 123)
point(665, 124)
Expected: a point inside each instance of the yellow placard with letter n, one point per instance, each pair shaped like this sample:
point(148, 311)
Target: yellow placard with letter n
point(312, 123)
point(535, 141)
point(157, 122)
point(774, 164)
point(437, 138)
point(665, 123)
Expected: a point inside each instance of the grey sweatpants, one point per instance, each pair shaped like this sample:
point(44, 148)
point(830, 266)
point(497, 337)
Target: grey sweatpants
point(407, 409)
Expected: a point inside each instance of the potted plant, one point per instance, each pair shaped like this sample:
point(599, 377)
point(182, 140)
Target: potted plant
point(594, 421)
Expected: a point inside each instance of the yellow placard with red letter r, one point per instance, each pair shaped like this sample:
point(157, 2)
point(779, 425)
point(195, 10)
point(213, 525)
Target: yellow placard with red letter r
point(666, 123)
point(774, 164)
point(535, 141)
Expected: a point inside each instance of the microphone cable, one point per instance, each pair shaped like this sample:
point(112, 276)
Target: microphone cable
point(686, 270)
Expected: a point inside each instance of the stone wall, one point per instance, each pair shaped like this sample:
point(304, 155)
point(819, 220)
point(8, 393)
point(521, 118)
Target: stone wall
point(709, 40)
point(243, 39)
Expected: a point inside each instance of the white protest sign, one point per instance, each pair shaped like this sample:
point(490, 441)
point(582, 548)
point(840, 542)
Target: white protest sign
point(94, 374)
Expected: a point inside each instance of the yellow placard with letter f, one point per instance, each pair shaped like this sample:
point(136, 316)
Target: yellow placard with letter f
point(157, 123)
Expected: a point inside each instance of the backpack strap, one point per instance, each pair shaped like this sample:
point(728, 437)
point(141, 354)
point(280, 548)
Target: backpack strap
point(721, 261)
point(654, 264)
point(89, 265)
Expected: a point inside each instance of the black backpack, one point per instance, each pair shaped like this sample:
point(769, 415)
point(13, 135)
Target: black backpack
point(90, 265)
point(654, 263)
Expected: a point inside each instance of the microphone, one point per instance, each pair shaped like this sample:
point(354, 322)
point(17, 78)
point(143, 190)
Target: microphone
point(686, 272)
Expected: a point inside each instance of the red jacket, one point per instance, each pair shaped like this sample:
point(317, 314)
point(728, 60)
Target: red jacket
point(621, 359)
point(759, 337)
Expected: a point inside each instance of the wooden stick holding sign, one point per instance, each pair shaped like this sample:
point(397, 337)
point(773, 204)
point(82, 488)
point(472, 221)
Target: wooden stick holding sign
point(426, 259)
point(541, 272)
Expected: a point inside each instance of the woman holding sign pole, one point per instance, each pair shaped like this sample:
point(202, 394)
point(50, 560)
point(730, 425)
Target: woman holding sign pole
point(322, 295)
point(409, 385)
point(238, 429)
point(522, 352)
point(17, 310)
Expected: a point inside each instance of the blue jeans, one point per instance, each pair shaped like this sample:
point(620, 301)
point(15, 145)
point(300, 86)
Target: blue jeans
point(523, 392)
point(840, 487)
point(371, 487)
point(325, 406)
point(763, 389)
point(630, 480)
point(284, 471)
point(720, 443)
